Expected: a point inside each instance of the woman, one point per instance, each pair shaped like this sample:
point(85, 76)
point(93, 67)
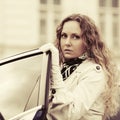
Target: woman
point(84, 84)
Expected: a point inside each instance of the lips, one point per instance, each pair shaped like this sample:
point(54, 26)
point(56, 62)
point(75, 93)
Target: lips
point(67, 50)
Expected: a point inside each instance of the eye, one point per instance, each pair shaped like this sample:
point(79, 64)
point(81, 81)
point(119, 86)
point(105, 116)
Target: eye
point(75, 37)
point(63, 35)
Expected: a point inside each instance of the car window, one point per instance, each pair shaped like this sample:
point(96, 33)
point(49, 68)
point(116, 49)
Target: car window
point(22, 84)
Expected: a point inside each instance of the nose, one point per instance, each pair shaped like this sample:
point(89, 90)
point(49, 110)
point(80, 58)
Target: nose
point(68, 41)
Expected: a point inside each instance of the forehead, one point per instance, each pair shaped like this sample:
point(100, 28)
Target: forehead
point(71, 27)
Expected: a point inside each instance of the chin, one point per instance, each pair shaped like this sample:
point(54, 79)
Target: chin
point(67, 57)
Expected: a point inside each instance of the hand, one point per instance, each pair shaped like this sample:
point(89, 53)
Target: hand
point(56, 81)
point(54, 51)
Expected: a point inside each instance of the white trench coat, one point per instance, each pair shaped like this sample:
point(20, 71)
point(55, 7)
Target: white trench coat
point(81, 98)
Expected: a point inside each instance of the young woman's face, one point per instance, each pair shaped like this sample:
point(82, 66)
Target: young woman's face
point(71, 43)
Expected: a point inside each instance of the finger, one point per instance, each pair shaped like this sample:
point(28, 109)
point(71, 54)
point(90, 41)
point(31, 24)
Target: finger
point(45, 47)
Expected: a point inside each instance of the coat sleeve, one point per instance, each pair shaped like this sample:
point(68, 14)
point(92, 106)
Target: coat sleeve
point(73, 105)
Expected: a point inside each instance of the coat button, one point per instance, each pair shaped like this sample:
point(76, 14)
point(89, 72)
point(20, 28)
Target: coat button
point(53, 91)
point(98, 67)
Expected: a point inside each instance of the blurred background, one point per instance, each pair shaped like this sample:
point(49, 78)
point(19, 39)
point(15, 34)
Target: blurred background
point(27, 24)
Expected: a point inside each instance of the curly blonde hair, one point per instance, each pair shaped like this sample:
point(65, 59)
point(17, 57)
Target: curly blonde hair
point(98, 52)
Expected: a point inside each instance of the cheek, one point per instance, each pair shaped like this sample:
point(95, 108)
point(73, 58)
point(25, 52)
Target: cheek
point(80, 48)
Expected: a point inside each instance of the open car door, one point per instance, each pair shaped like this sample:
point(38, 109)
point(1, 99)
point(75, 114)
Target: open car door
point(24, 85)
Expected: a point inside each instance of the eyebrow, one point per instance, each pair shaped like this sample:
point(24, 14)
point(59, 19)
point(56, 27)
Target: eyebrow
point(71, 33)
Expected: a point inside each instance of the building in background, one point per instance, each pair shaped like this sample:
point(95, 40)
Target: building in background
point(109, 16)
point(28, 24)
point(18, 26)
point(49, 14)
point(109, 21)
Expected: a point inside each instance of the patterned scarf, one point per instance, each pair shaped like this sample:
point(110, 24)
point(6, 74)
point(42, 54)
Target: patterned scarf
point(71, 65)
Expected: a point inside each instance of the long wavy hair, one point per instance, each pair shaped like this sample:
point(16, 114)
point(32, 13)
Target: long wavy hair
point(98, 52)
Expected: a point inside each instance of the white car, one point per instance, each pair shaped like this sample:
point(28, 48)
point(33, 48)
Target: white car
point(24, 85)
